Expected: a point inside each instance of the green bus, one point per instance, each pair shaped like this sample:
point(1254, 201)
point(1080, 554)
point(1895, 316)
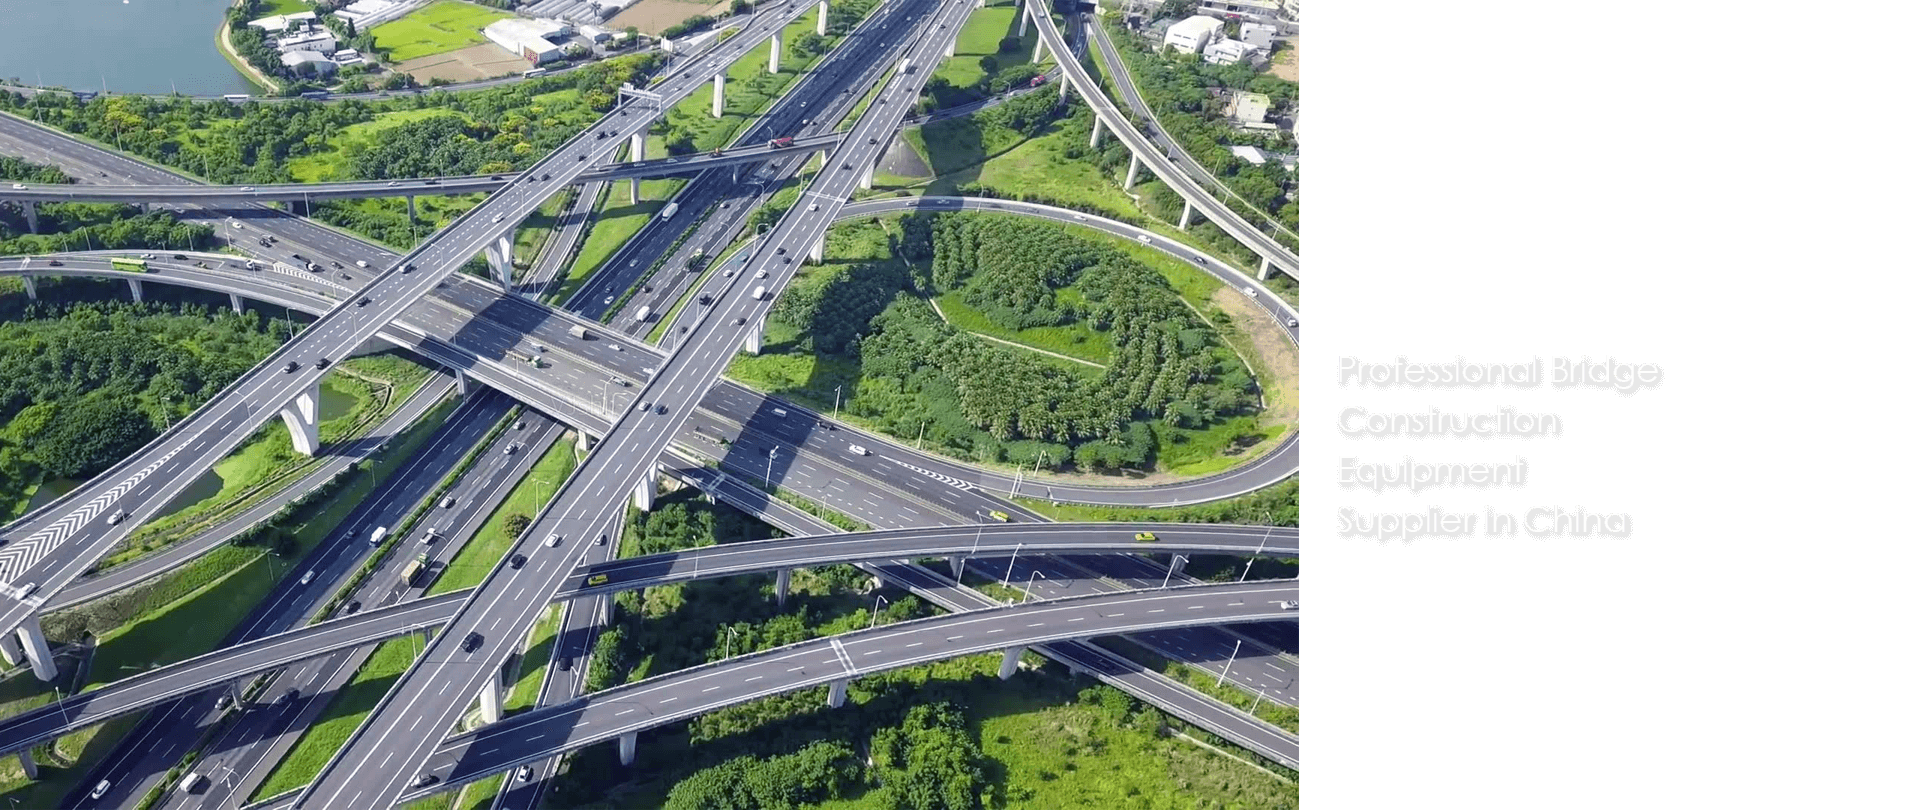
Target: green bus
point(133, 265)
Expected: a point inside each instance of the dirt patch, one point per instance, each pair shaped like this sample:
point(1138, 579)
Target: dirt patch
point(1278, 357)
point(1286, 60)
point(654, 16)
point(483, 61)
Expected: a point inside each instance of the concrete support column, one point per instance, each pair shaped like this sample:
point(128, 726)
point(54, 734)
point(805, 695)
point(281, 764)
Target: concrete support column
point(239, 306)
point(33, 290)
point(1133, 172)
point(1098, 127)
point(582, 442)
point(719, 87)
point(1266, 269)
point(11, 651)
point(629, 745)
point(31, 768)
point(773, 60)
point(35, 643)
point(1039, 47)
point(411, 216)
point(820, 25)
point(31, 210)
point(1010, 663)
point(756, 331)
point(637, 147)
point(837, 694)
point(139, 292)
point(819, 252)
point(1186, 215)
point(302, 416)
point(1020, 10)
point(958, 563)
point(781, 583)
point(1064, 87)
point(500, 256)
point(490, 700)
point(866, 176)
point(951, 45)
point(461, 381)
point(643, 492)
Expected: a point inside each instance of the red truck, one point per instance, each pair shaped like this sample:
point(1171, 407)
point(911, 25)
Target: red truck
point(1037, 81)
point(779, 143)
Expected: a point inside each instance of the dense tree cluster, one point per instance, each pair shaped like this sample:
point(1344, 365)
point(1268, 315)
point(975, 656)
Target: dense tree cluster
point(1002, 404)
point(816, 773)
point(929, 762)
point(84, 384)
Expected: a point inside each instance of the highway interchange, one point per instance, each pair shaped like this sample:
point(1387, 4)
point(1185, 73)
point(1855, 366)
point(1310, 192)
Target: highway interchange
point(799, 235)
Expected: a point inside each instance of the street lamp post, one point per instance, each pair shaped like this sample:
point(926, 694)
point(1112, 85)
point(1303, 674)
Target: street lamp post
point(1176, 561)
point(775, 453)
point(729, 648)
point(1029, 591)
point(877, 600)
point(1016, 555)
point(1223, 670)
point(836, 403)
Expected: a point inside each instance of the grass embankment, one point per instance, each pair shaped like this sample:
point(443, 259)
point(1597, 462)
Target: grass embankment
point(615, 220)
point(479, 795)
point(978, 46)
point(525, 692)
point(491, 542)
point(1207, 683)
point(266, 465)
point(447, 25)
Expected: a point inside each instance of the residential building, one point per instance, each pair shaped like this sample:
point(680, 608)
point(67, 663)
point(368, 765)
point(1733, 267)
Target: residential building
point(1228, 51)
point(281, 22)
point(309, 64)
point(1249, 108)
point(1260, 11)
point(1191, 34)
point(1261, 37)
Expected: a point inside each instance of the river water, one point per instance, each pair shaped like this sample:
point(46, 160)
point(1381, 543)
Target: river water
point(134, 46)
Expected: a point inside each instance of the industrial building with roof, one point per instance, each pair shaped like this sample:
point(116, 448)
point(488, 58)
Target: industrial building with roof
point(1192, 34)
point(531, 40)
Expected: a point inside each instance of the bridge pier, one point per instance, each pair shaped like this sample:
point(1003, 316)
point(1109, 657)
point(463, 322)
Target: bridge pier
point(33, 290)
point(302, 416)
point(629, 745)
point(239, 306)
point(582, 442)
point(490, 700)
point(1020, 10)
point(1095, 142)
point(27, 765)
point(637, 150)
point(500, 258)
point(11, 650)
point(719, 87)
point(35, 643)
point(781, 584)
point(411, 217)
point(820, 25)
point(461, 381)
point(139, 292)
point(866, 176)
point(1133, 172)
point(773, 61)
point(1266, 269)
point(1010, 663)
point(951, 45)
point(958, 563)
point(31, 210)
point(837, 694)
point(756, 331)
point(1186, 215)
point(819, 251)
point(644, 492)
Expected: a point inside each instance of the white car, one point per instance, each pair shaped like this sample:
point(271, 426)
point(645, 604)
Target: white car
point(813, 207)
point(1145, 239)
point(553, 540)
point(306, 578)
point(1293, 322)
point(856, 449)
point(100, 789)
point(498, 217)
point(19, 187)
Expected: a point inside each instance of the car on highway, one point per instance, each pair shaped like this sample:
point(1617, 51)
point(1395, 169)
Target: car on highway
point(602, 541)
point(1144, 537)
point(813, 207)
point(306, 578)
point(856, 449)
point(353, 607)
point(392, 183)
point(472, 642)
point(660, 408)
point(100, 789)
point(246, 188)
point(19, 187)
point(525, 773)
point(645, 405)
point(553, 540)
point(117, 516)
point(56, 263)
point(999, 516)
point(517, 560)
point(1145, 239)
point(223, 702)
point(322, 363)
point(424, 780)
point(498, 217)
point(739, 321)
point(292, 366)
point(447, 502)
point(25, 590)
point(287, 697)
point(513, 448)
point(365, 301)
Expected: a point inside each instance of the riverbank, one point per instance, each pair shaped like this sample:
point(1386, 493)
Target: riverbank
point(253, 74)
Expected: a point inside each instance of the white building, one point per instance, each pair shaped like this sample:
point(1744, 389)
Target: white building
point(1261, 37)
point(317, 41)
point(308, 63)
point(531, 40)
point(281, 22)
point(1249, 108)
point(1228, 51)
point(1191, 34)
